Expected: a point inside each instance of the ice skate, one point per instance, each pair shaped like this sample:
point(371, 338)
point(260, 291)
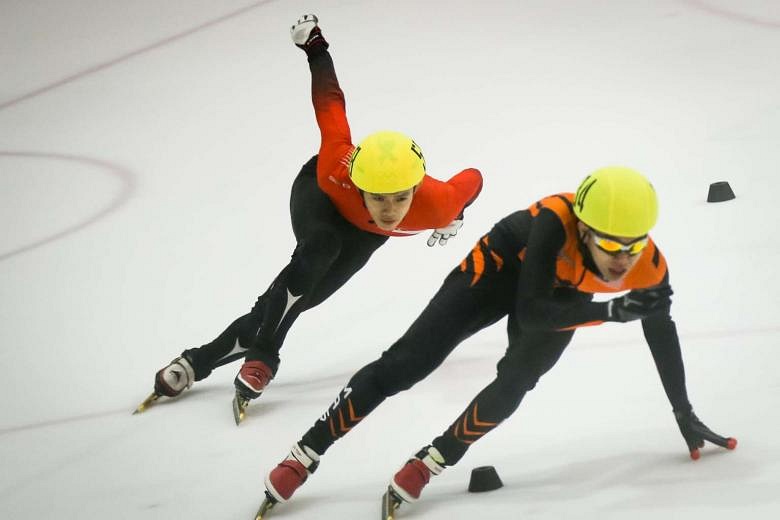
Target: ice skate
point(253, 377)
point(146, 403)
point(268, 503)
point(169, 381)
point(409, 481)
point(287, 476)
point(390, 502)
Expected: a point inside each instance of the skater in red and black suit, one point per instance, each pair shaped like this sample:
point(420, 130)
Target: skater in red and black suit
point(344, 204)
point(540, 267)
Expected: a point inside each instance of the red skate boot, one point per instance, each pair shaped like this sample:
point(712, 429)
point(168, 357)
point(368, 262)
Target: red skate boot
point(410, 480)
point(289, 475)
point(253, 377)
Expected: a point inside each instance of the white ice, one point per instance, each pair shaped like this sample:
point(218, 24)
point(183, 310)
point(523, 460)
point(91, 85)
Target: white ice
point(146, 154)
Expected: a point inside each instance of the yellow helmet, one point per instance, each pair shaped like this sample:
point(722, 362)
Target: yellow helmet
point(617, 201)
point(387, 162)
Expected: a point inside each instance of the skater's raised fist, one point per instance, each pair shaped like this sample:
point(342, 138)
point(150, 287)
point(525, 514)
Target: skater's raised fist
point(306, 34)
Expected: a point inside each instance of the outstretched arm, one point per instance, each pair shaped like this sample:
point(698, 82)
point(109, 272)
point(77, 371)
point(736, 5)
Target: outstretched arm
point(661, 335)
point(327, 96)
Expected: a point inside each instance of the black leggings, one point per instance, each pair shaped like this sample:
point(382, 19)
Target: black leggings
point(462, 306)
point(329, 251)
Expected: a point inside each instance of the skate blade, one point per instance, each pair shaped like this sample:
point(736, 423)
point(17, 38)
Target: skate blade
point(268, 504)
point(239, 408)
point(147, 403)
point(390, 502)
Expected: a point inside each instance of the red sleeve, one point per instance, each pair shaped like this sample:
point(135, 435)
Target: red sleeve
point(330, 110)
point(437, 203)
point(466, 187)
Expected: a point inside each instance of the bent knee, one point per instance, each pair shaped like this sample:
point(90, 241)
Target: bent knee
point(322, 243)
point(517, 381)
point(397, 371)
point(313, 257)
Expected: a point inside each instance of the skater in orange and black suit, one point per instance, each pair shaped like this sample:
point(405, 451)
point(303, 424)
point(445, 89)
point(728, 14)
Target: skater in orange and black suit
point(540, 267)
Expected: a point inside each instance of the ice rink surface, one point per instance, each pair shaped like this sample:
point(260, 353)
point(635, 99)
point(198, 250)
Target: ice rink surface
point(146, 153)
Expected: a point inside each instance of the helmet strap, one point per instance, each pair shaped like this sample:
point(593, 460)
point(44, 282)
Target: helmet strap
point(587, 257)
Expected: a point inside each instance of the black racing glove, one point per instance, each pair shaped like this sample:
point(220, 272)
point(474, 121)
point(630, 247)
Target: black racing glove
point(695, 433)
point(639, 304)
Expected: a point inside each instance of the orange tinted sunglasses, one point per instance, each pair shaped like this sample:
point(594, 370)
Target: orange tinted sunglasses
point(614, 247)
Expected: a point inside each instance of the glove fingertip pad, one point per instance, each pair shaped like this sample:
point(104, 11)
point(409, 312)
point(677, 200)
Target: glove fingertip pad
point(695, 454)
point(731, 443)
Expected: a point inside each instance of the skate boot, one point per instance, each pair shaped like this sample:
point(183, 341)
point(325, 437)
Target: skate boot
point(170, 381)
point(253, 377)
point(289, 475)
point(410, 480)
point(173, 379)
